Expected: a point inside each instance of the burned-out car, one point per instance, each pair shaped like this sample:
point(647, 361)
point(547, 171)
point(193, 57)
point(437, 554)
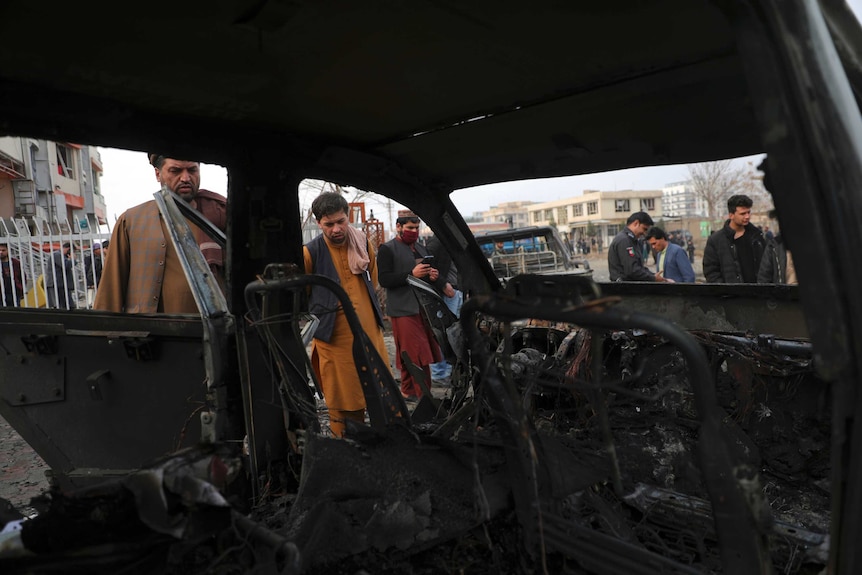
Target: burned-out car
point(589, 428)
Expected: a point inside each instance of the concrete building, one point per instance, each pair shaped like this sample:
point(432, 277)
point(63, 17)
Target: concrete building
point(680, 201)
point(602, 214)
point(512, 213)
point(58, 182)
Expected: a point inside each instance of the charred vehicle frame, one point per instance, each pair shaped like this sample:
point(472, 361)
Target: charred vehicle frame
point(607, 428)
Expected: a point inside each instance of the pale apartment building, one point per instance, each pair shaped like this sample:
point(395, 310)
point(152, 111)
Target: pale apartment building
point(58, 182)
point(680, 201)
point(512, 213)
point(602, 214)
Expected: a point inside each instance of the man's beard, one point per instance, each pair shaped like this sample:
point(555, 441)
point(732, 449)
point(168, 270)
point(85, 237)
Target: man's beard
point(187, 194)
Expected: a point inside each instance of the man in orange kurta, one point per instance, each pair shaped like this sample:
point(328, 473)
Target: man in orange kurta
point(343, 254)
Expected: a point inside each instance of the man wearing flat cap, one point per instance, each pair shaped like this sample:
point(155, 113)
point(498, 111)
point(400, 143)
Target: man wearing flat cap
point(396, 260)
point(143, 273)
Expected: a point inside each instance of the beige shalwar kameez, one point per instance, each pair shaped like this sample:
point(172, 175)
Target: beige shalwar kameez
point(333, 361)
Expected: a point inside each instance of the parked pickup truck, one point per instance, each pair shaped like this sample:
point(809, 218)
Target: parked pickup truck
point(530, 250)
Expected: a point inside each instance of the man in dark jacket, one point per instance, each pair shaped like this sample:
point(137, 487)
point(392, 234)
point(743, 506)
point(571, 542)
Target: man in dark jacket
point(625, 259)
point(11, 278)
point(689, 246)
point(776, 266)
point(93, 265)
point(397, 259)
point(60, 278)
point(733, 253)
point(775, 262)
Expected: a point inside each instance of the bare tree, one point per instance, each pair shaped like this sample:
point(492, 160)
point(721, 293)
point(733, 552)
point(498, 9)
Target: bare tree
point(751, 184)
point(710, 182)
point(310, 189)
point(714, 182)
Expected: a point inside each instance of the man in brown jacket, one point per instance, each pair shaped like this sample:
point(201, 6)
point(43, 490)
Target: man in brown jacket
point(143, 273)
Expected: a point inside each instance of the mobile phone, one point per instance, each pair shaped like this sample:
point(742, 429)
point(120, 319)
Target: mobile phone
point(429, 259)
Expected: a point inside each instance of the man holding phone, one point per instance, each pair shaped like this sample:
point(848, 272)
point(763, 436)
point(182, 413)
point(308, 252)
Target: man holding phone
point(397, 259)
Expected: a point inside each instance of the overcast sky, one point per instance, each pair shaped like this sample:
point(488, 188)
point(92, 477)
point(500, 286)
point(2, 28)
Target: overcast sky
point(129, 180)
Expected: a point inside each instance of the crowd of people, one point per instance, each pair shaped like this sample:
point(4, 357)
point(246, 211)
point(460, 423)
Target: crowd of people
point(739, 252)
point(585, 246)
point(58, 276)
point(143, 274)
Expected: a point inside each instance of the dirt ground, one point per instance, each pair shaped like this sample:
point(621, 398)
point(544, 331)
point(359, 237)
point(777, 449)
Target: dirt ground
point(22, 471)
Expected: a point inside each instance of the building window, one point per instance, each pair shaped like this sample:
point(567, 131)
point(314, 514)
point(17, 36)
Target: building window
point(65, 161)
point(537, 217)
point(94, 178)
point(613, 229)
point(562, 215)
point(592, 208)
point(648, 204)
point(579, 210)
point(621, 206)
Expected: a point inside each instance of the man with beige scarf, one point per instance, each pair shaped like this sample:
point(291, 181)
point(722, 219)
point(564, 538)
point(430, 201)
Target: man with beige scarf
point(341, 253)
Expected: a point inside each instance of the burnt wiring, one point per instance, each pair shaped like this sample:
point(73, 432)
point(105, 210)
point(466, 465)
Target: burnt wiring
point(383, 399)
point(292, 402)
point(552, 377)
point(785, 357)
point(742, 550)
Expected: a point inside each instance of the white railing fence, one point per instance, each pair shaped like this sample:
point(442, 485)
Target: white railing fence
point(35, 245)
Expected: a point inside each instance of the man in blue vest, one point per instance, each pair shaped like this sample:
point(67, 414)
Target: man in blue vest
point(341, 253)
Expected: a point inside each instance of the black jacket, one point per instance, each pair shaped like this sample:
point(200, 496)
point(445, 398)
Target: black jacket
point(443, 262)
point(720, 260)
point(395, 261)
point(625, 261)
point(773, 266)
point(91, 261)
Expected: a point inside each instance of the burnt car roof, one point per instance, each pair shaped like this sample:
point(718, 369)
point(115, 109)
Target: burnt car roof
point(457, 95)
